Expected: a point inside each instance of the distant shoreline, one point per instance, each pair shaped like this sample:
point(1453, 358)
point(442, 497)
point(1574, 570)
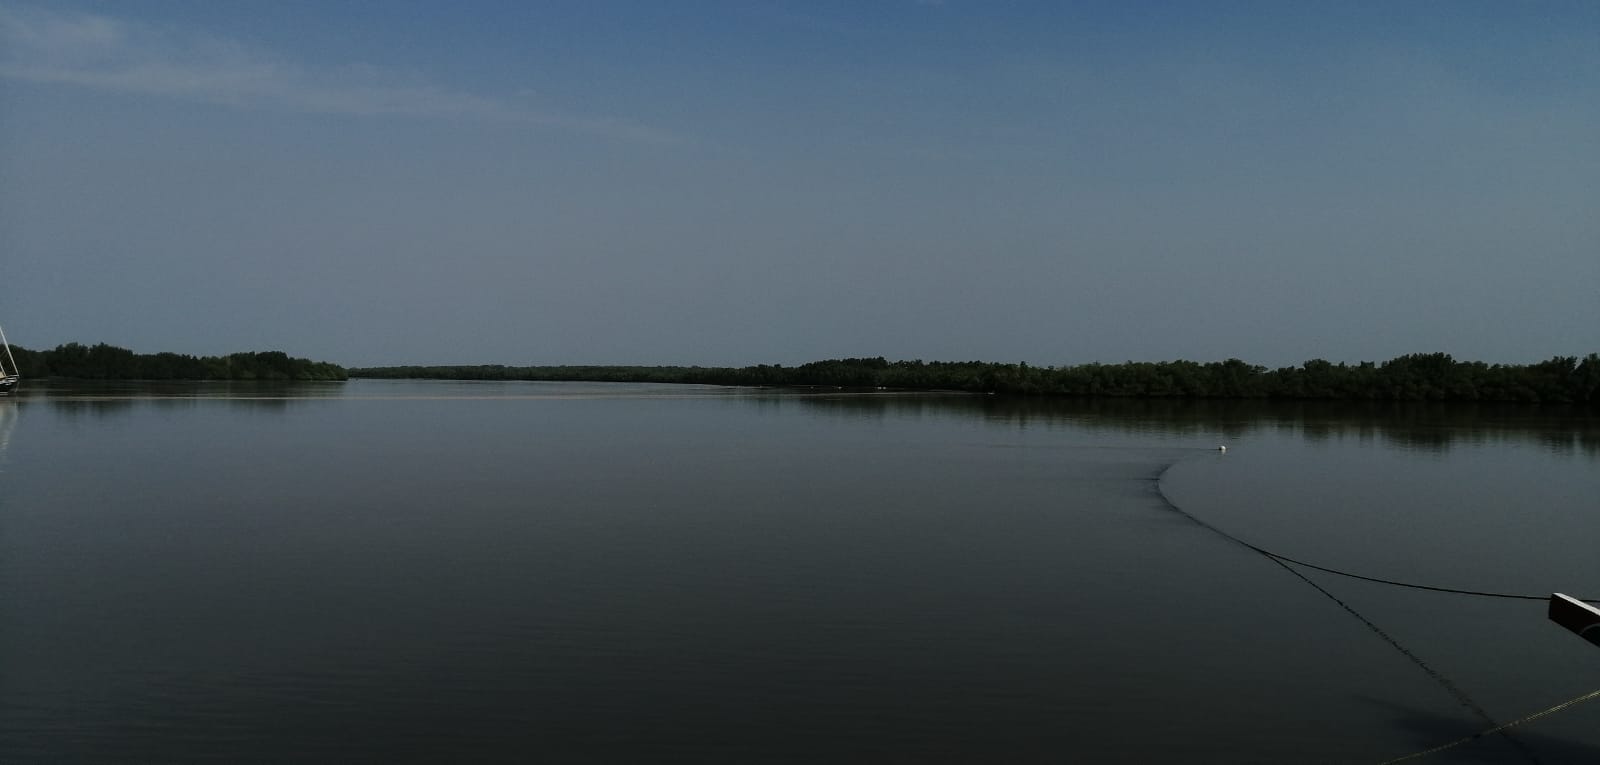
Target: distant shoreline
point(74, 361)
point(1562, 380)
point(1566, 380)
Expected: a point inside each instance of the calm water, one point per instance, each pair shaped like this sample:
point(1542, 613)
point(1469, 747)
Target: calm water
point(540, 572)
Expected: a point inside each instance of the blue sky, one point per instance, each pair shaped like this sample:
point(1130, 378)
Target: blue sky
point(775, 182)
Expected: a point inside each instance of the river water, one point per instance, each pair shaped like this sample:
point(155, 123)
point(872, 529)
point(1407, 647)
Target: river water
point(391, 571)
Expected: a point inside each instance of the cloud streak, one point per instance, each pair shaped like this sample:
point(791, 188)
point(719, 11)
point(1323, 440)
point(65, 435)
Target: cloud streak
point(114, 55)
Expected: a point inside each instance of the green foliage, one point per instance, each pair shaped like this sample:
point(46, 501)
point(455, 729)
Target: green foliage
point(1416, 377)
point(108, 362)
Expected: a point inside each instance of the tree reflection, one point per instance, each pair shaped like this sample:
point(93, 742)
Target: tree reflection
point(1434, 427)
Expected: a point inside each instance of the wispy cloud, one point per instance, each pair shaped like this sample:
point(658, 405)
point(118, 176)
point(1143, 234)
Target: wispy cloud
point(123, 56)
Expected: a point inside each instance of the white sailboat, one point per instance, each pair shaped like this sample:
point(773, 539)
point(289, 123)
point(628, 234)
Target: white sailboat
point(8, 368)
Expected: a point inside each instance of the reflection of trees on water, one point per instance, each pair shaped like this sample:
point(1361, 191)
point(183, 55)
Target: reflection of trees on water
point(105, 399)
point(1433, 427)
point(105, 407)
point(8, 420)
point(1423, 426)
point(99, 408)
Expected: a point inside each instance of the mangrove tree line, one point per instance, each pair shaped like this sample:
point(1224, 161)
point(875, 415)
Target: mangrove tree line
point(1414, 377)
point(108, 362)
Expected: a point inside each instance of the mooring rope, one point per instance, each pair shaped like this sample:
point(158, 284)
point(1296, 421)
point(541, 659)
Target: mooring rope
point(1430, 588)
point(1460, 695)
point(1454, 690)
point(1352, 575)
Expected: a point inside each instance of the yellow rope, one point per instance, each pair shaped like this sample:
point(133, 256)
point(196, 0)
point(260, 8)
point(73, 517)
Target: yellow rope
point(1498, 728)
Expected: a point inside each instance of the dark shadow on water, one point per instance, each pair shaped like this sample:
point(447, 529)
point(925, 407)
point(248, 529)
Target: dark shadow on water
point(1425, 731)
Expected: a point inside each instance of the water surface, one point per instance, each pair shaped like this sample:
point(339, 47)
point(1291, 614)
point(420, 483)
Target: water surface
point(391, 571)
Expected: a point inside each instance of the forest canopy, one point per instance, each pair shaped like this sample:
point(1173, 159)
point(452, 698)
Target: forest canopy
point(1414, 377)
point(108, 362)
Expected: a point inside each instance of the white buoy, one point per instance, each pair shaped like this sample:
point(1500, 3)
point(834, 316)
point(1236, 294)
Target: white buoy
point(1222, 449)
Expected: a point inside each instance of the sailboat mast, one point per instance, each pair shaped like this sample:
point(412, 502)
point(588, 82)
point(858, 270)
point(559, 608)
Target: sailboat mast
point(12, 360)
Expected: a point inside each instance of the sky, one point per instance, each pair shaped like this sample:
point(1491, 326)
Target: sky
point(774, 181)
